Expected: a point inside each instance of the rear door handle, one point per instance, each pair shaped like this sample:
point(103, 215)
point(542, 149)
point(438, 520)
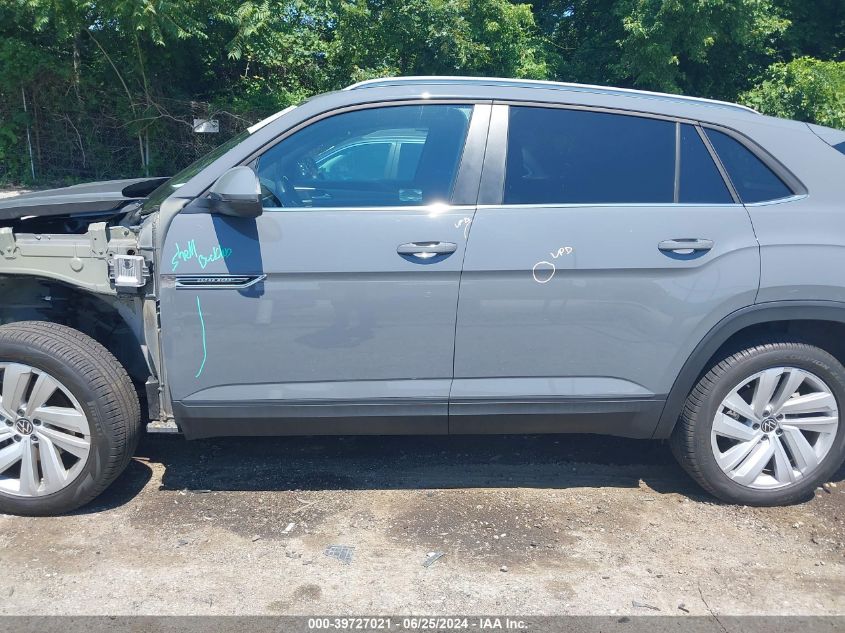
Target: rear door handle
point(685, 246)
point(426, 250)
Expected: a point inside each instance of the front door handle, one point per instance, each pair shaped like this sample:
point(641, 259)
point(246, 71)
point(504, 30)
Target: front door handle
point(426, 250)
point(686, 246)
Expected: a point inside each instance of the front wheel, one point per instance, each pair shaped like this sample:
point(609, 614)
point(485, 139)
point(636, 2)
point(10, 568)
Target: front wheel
point(69, 418)
point(762, 427)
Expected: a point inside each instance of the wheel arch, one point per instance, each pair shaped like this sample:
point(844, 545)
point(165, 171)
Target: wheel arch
point(113, 321)
point(821, 323)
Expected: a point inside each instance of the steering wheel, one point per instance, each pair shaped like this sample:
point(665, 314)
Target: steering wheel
point(288, 193)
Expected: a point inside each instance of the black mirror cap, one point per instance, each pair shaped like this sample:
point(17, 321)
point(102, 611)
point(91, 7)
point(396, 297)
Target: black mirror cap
point(235, 206)
point(237, 193)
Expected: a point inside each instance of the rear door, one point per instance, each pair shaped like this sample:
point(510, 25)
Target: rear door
point(335, 310)
point(604, 247)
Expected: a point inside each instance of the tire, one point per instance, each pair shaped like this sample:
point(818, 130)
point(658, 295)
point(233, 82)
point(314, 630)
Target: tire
point(91, 383)
point(695, 442)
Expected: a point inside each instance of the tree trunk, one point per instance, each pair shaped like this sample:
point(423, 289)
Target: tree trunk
point(76, 70)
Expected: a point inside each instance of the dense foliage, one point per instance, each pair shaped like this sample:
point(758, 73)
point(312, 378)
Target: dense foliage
point(112, 87)
point(806, 89)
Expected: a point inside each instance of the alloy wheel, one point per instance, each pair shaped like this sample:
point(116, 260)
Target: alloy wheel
point(775, 428)
point(45, 437)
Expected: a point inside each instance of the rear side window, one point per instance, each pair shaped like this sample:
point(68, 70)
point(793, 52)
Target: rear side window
point(752, 179)
point(701, 182)
point(579, 157)
point(409, 158)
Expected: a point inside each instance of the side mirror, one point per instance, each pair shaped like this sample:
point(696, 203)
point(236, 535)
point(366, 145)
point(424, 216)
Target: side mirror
point(236, 193)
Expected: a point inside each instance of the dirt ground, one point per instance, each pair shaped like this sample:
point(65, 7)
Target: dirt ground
point(526, 524)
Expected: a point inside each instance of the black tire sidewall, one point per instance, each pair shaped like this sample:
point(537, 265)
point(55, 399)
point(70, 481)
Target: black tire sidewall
point(102, 436)
point(811, 359)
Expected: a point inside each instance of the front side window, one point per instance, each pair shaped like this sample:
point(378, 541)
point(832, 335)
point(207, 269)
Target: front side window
point(558, 156)
point(751, 177)
point(378, 157)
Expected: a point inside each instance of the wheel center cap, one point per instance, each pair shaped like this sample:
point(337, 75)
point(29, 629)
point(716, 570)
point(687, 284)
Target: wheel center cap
point(769, 425)
point(24, 426)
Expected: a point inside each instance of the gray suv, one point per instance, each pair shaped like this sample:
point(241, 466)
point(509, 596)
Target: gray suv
point(442, 256)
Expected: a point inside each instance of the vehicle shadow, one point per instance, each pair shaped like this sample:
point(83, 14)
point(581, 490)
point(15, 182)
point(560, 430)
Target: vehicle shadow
point(390, 463)
point(402, 463)
point(124, 489)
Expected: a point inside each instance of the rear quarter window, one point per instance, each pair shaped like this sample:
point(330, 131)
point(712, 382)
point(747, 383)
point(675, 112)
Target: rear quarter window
point(753, 180)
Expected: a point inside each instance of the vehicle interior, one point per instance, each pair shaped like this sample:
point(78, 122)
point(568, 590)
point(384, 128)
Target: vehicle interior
point(375, 157)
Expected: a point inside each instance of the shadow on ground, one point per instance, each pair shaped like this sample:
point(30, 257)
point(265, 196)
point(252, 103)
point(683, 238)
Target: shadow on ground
point(350, 463)
point(406, 462)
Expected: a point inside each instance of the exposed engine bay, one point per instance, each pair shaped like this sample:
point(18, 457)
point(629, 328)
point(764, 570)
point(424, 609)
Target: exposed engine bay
point(71, 210)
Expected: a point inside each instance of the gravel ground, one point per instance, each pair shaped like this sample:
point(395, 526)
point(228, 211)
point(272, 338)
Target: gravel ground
point(526, 524)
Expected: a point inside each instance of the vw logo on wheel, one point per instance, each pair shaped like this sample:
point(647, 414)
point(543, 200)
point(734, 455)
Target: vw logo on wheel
point(768, 425)
point(24, 426)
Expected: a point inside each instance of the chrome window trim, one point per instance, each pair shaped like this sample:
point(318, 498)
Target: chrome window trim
point(431, 209)
point(608, 205)
point(767, 203)
point(648, 205)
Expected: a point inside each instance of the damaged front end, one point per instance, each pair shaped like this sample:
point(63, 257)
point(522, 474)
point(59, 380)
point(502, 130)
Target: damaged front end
point(82, 257)
point(103, 260)
point(84, 235)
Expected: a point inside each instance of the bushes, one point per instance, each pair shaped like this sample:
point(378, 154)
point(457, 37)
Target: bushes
point(805, 89)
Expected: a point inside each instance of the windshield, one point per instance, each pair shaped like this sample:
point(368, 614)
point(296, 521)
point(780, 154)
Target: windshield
point(153, 202)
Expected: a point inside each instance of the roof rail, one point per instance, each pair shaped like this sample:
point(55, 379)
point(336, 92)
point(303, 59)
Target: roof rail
point(552, 85)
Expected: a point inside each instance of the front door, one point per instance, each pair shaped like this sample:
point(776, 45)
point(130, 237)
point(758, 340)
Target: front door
point(335, 310)
point(609, 248)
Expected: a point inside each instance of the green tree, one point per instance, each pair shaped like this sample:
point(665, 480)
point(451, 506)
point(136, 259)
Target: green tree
point(121, 40)
point(817, 29)
point(805, 89)
point(704, 47)
point(447, 37)
point(301, 47)
point(582, 39)
point(284, 50)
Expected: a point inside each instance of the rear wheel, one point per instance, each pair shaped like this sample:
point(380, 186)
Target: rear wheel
point(69, 418)
point(763, 426)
